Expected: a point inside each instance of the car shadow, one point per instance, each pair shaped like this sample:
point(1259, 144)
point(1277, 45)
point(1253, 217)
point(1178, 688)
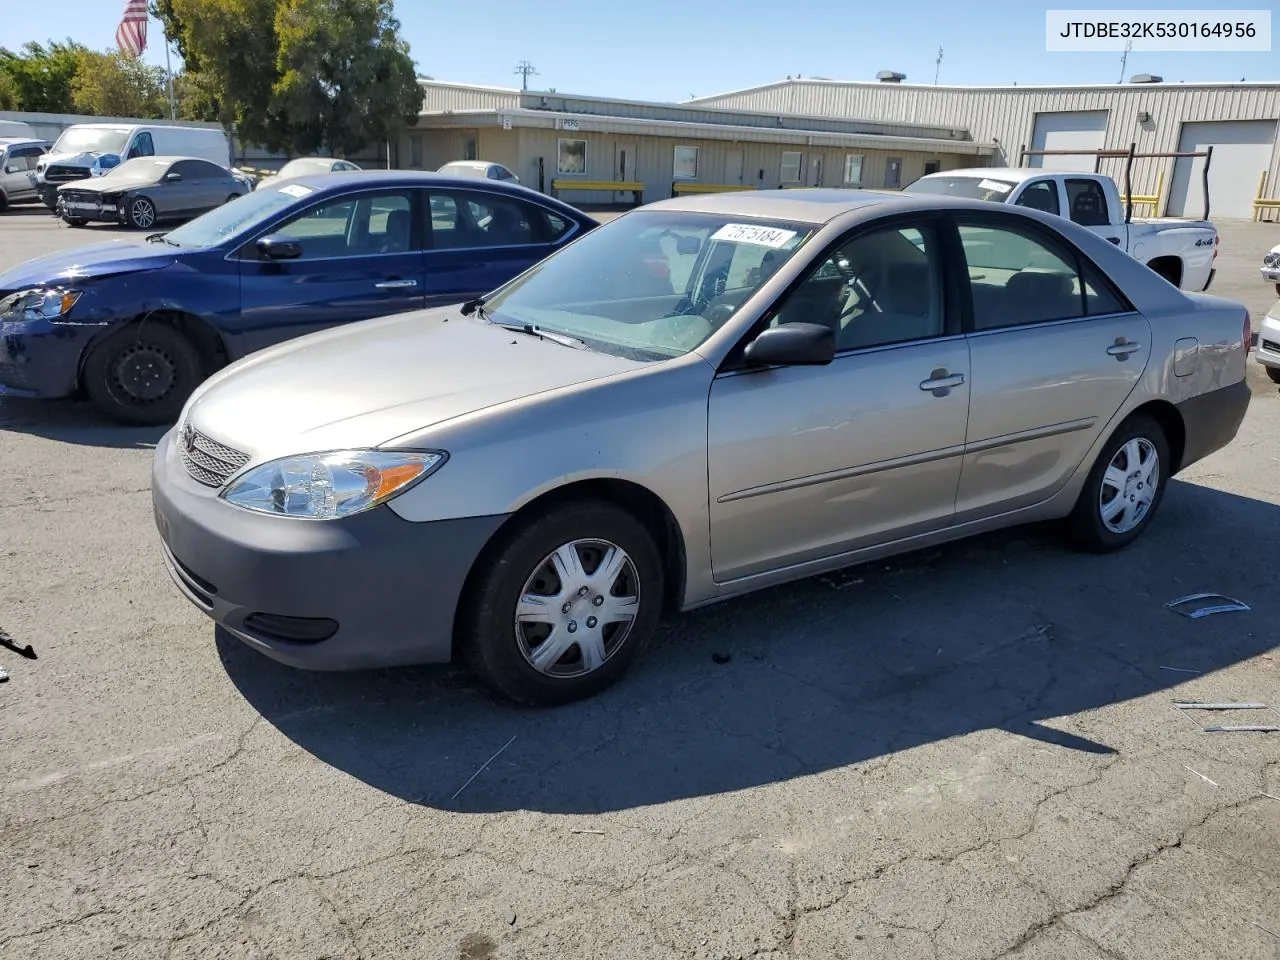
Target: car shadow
point(1010, 631)
point(73, 421)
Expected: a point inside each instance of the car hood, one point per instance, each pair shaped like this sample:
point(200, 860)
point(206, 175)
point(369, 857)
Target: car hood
point(367, 383)
point(113, 182)
point(95, 261)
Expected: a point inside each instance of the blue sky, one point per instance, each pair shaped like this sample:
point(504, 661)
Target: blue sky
point(671, 50)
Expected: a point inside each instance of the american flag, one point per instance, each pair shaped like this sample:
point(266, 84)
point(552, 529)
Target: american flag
point(131, 35)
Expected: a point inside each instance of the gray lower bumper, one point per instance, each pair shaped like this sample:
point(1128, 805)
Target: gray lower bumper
point(372, 590)
point(1212, 420)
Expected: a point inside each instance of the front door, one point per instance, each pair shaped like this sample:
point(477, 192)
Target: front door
point(1087, 205)
point(1054, 354)
point(478, 240)
point(815, 170)
point(361, 258)
point(624, 159)
point(733, 167)
point(18, 175)
point(808, 463)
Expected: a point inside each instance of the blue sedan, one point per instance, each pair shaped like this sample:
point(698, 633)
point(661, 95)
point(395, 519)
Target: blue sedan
point(136, 325)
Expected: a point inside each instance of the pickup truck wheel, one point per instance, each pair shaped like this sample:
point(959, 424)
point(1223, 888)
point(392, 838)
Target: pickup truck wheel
point(1124, 488)
point(1273, 373)
point(142, 374)
point(563, 604)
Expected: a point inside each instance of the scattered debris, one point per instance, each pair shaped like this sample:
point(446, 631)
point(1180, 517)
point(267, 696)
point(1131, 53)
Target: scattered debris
point(1245, 728)
point(721, 658)
point(482, 767)
point(1194, 705)
point(1264, 929)
point(1201, 776)
point(511, 918)
point(1271, 796)
point(1183, 705)
point(1197, 605)
point(1180, 670)
point(599, 833)
point(7, 641)
point(4, 675)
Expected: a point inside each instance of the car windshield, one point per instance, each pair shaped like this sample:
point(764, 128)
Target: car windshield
point(138, 166)
point(652, 284)
point(305, 165)
point(233, 219)
point(971, 188)
point(91, 140)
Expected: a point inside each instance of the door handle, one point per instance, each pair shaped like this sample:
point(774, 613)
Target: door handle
point(941, 381)
point(396, 284)
point(1123, 348)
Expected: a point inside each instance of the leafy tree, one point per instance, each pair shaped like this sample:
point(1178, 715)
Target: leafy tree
point(43, 76)
point(10, 97)
point(296, 75)
point(113, 85)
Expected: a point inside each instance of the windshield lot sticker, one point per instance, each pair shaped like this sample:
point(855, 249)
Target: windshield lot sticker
point(995, 185)
point(746, 233)
point(295, 190)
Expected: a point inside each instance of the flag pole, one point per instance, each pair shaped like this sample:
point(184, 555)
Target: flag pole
point(168, 70)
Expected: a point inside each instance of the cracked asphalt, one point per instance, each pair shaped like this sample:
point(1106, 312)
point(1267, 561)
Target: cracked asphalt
point(966, 753)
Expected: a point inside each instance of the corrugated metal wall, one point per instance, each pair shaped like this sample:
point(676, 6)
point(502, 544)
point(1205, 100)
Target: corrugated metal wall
point(1007, 114)
point(438, 97)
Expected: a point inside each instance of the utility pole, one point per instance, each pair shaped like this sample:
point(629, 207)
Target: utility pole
point(526, 70)
point(1124, 59)
point(937, 67)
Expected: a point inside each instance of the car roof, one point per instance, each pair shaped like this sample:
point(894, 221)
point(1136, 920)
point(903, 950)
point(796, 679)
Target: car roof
point(1016, 174)
point(477, 164)
point(21, 141)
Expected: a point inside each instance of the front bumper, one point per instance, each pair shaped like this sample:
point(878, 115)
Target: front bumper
point(371, 590)
point(41, 359)
point(84, 209)
point(1268, 351)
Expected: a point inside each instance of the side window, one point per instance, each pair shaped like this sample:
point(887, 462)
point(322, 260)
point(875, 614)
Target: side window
point(355, 226)
point(142, 146)
point(1087, 202)
point(1099, 299)
point(20, 160)
point(877, 288)
point(1041, 195)
point(197, 170)
point(471, 219)
point(1017, 279)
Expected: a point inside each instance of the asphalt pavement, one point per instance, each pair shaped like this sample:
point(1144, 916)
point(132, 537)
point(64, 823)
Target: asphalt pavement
point(969, 752)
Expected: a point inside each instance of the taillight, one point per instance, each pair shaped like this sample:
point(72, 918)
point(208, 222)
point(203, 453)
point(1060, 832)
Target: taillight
point(1248, 333)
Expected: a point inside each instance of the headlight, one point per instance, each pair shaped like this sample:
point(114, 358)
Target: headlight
point(38, 304)
point(324, 486)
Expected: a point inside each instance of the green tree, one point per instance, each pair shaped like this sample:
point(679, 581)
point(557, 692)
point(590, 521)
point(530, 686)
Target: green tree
point(43, 76)
point(113, 85)
point(296, 75)
point(10, 97)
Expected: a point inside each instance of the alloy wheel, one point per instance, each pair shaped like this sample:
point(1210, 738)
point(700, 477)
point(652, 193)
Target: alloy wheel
point(1129, 485)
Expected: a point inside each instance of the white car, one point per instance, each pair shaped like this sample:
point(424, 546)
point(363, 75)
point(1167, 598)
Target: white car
point(1269, 338)
point(479, 169)
point(307, 167)
point(1271, 267)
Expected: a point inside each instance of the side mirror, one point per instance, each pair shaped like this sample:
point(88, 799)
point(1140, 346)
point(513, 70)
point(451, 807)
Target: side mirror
point(173, 177)
point(10, 169)
point(687, 246)
point(279, 247)
point(793, 344)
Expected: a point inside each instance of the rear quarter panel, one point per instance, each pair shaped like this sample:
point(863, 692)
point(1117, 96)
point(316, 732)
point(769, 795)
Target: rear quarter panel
point(1193, 244)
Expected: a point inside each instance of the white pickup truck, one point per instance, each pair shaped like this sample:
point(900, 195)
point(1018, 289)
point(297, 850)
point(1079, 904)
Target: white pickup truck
point(1181, 251)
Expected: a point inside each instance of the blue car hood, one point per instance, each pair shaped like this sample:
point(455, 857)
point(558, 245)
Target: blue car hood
point(96, 261)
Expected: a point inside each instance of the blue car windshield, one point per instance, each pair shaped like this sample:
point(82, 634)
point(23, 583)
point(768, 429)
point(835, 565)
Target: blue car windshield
point(238, 217)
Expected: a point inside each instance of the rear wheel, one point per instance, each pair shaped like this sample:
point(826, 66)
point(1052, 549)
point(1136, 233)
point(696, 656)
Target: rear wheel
point(141, 213)
point(75, 221)
point(1273, 373)
point(142, 374)
point(563, 605)
point(1124, 488)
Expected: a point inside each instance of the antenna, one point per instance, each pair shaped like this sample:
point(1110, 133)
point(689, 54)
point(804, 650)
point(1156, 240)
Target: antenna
point(1124, 58)
point(526, 70)
point(937, 67)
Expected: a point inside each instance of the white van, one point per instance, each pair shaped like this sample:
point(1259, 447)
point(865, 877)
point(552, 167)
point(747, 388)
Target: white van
point(91, 149)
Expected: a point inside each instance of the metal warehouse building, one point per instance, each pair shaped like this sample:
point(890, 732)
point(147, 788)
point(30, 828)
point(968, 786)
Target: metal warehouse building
point(1238, 120)
point(599, 150)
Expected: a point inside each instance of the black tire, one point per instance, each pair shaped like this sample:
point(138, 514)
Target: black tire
point(1086, 526)
point(234, 196)
point(4, 203)
point(1278, 289)
point(142, 374)
point(1273, 373)
point(136, 211)
point(74, 221)
point(502, 657)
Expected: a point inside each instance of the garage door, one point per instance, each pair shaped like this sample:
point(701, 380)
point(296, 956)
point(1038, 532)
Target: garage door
point(1241, 151)
point(1081, 130)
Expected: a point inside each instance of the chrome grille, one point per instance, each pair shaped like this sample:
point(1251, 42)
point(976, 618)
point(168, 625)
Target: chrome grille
point(1271, 346)
point(208, 461)
point(58, 173)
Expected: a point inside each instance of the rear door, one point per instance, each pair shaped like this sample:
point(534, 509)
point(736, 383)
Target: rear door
point(1055, 350)
point(1087, 205)
point(203, 186)
point(361, 258)
point(479, 239)
point(18, 174)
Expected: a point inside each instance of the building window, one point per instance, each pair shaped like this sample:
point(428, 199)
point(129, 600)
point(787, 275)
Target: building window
point(792, 160)
point(893, 172)
point(572, 157)
point(686, 163)
point(415, 151)
point(852, 168)
point(930, 166)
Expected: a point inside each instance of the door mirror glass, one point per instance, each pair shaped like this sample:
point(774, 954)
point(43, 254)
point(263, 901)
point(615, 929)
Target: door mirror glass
point(277, 246)
point(793, 344)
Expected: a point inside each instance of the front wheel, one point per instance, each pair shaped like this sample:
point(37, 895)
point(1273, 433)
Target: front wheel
point(141, 213)
point(1278, 289)
point(1124, 488)
point(75, 221)
point(1273, 373)
point(563, 604)
point(142, 374)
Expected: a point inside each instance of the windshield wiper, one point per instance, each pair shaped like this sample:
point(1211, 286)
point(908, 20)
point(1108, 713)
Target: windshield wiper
point(162, 238)
point(533, 330)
